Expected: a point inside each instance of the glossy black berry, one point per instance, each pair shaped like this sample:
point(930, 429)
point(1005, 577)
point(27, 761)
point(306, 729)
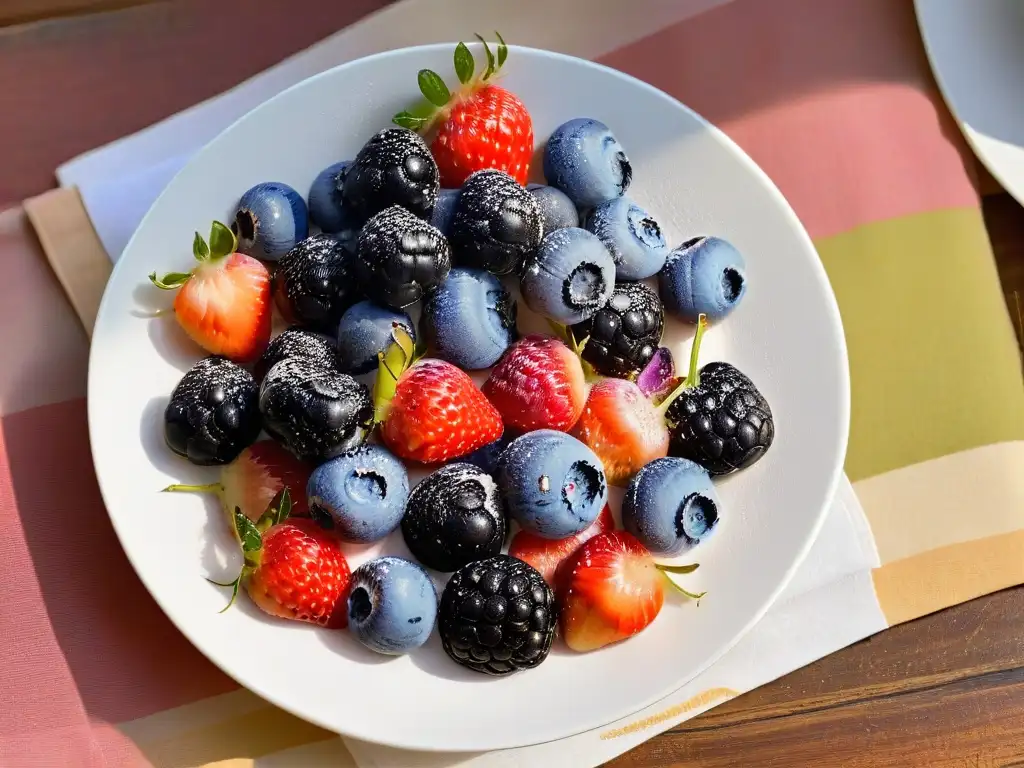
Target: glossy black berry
point(394, 167)
point(454, 516)
point(296, 342)
point(497, 223)
point(401, 258)
point(213, 413)
point(497, 616)
point(315, 283)
point(624, 334)
point(315, 412)
point(724, 423)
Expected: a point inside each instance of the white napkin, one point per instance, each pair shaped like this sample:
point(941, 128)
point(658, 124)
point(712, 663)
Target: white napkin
point(830, 601)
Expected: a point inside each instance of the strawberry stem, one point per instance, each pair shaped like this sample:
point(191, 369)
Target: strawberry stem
point(680, 569)
point(394, 361)
point(217, 488)
point(693, 376)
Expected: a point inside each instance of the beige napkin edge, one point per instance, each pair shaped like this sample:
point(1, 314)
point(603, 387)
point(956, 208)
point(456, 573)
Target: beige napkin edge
point(72, 248)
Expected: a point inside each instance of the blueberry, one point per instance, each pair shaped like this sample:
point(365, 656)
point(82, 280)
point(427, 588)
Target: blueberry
point(569, 277)
point(584, 160)
point(557, 211)
point(444, 210)
point(470, 319)
point(705, 275)
point(486, 458)
point(496, 224)
point(360, 495)
point(392, 605)
point(394, 167)
point(632, 236)
point(554, 484)
point(670, 505)
point(326, 207)
point(364, 332)
point(271, 218)
point(401, 258)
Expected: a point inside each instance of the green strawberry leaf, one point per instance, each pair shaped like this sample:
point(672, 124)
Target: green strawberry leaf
point(678, 568)
point(433, 88)
point(199, 248)
point(248, 533)
point(502, 49)
point(222, 241)
point(278, 511)
point(490, 58)
point(170, 281)
point(464, 63)
point(409, 120)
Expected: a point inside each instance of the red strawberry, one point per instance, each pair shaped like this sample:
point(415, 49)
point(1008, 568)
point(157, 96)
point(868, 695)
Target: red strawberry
point(546, 555)
point(293, 568)
point(429, 410)
point(623, 427)
point(251, 481)
point(224, 303)
point(481, 125)
point(538, 384)
point(611, 589)
point(621, 423)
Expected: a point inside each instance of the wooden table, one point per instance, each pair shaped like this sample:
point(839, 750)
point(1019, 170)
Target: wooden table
point(944, 691)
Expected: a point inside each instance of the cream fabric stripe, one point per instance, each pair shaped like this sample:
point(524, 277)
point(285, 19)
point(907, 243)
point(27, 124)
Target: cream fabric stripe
point(963, 497)
point(939, 578)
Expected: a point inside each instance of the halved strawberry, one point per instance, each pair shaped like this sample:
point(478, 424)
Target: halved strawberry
point(429, 410)
point(251, 481)
point(546, 555)
point(224, 303)
point(611, 590)
point(481, 125)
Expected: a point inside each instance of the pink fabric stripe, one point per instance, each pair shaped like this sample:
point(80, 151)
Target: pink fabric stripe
point(83, 641)
point(839, 108)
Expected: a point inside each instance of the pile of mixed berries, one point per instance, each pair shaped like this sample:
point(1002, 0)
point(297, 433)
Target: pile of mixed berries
point(399, 272)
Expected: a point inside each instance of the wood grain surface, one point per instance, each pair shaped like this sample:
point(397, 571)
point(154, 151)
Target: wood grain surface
point(944, 691)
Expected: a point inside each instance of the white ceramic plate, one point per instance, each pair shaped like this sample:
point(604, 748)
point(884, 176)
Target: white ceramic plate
point(976, 50)
point(786, 335)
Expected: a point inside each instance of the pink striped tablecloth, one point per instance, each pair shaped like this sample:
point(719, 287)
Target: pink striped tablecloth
point(834, 99)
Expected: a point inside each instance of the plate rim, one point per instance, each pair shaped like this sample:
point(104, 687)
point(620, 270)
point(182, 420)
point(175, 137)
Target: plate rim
point(844, 403)
point(973, 138)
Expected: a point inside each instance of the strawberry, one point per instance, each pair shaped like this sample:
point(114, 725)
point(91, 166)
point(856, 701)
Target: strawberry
point(546, 555)
point(428, 410)
point(623, 427)
point(224, 303)
point(481, 125)
point(611, 590)
point(538, 383)
point(251, 481)
point(292, 568)
point(627, 424)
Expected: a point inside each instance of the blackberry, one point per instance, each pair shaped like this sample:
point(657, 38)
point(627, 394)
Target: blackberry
point(497, 616)
point(497, 223)
point(454, 516)
point(718, 418)
point(394, 167)
point(213, 413)
point(315, 283)
point(625, 332)
point(296, 342)
point(316, 413)
point(401, 258)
